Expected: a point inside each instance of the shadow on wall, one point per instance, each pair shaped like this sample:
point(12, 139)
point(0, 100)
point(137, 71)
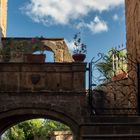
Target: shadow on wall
point(98, 101)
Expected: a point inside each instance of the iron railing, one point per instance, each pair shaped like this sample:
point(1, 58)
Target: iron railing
point(114, 81)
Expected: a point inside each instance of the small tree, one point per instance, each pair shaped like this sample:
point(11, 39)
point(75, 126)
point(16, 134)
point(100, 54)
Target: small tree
point(27, 130)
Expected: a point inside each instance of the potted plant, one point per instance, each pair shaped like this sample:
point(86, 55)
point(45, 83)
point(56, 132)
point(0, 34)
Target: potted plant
point(120, 76)
point(37, 46)
point(79, 52)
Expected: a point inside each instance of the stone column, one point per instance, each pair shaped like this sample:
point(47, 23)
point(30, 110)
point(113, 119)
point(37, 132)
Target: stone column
point(3, 16)
point(133, 46)
point(1, 46)
point(0, 37)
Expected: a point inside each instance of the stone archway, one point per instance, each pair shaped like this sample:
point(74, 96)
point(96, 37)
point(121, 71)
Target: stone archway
point(55, 45)
point(12, 117)
point(59, 48)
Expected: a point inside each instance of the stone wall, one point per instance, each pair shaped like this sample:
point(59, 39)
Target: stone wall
point(21, 46)
point(115, 97)
point(133, 27)
point(59, 77)
point(132, 12)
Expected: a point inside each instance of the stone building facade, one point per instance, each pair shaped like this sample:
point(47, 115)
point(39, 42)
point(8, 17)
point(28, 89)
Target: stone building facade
point(3, 16)
point(132, 13)
point(133, 27)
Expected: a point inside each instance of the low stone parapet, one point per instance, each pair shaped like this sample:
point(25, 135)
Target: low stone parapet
point(18, 77)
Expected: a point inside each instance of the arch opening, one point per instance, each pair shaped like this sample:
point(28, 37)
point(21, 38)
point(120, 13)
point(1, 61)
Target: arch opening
point(16, 116)
point(38, 128)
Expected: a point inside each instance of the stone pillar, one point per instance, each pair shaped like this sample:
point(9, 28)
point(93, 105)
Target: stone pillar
point(133, 27)
point(1, 46)
point(0, 37)
point(59, 55)
point(132, 11)
point(3, 16)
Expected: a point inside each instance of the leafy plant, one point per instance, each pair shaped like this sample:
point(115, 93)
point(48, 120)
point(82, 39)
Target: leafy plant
point(79, 47)
point(38, 45)
point(27, 130)
point(113, 63)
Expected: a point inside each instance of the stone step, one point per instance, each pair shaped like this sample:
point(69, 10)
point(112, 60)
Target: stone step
point(112, 126)
point(110, 129)
point(112, 137)
point(113, 119)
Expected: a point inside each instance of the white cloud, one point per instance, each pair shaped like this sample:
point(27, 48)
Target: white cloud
point(96, 26)
point(115, 17)
point(64, 11)
point(70, 45)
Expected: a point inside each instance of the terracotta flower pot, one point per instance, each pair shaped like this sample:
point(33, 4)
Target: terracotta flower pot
point(35, 58)
point(79, 57)
point(120, 76)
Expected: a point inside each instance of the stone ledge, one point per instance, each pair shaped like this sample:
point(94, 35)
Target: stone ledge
point(50, 93)
point(113, 136)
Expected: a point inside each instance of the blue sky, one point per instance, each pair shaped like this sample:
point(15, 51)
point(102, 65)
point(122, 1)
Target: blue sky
point(101, 22)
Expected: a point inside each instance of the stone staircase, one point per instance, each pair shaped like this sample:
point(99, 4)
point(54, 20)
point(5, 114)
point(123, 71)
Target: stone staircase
point(111, 128)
